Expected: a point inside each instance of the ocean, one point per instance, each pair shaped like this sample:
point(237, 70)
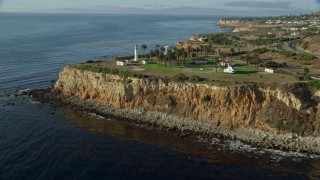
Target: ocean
point(41, 141)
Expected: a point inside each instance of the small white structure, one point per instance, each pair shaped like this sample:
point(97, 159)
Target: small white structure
point(121, 63)
point(127, 61)
point(144, 62)
point(269, 70)
point(166, 49)
point(230, 70)
point(136, 53)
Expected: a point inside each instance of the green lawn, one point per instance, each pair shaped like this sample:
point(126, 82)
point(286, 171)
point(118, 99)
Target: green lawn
point(243, 69)
point(155, 66)
point(205, 69)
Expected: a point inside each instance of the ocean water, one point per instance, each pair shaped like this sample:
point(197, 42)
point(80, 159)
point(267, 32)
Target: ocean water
point(40, 141)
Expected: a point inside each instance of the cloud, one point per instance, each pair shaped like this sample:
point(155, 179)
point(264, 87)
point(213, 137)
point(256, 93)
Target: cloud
point(261, 4)
point(318, 1)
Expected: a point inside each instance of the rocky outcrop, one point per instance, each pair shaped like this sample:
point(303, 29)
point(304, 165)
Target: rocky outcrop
point(311, 44)
point(263, 107)
point(243, 29)
point(243, 26)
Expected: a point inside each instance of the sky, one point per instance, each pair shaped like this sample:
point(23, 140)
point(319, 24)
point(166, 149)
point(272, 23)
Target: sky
point(215, 7)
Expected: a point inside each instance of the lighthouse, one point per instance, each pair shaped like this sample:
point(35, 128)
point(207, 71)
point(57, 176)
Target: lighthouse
point(136, 53)
point(166, 49)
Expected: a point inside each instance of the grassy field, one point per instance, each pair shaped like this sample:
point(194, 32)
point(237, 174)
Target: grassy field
point(245, 74)
point(154, 66)
point(244, 69)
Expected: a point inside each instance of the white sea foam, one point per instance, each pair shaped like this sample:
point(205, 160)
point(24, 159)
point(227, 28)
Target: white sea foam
point(275, 155)
point(23, 90)
point(93, 115)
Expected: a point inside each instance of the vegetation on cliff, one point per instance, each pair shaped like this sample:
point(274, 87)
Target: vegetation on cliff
point(106, 70)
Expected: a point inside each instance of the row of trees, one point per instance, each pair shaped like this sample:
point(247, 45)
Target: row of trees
point(180, 55)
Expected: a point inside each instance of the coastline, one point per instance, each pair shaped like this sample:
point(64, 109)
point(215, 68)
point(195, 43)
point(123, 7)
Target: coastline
point(85, 95)
point(183, 126)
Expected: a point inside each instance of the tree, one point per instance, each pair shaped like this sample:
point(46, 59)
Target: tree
point(152, 53)
point(207, 50)
point(144, 47)
point(147, 56)
point(161, 57)
point(248, 59)
point(256, 60)
point(213, 50)
point(189, 49)
point(194, 55)
point(178, 54)
point(216, 62)
point(162, 49)
point(197, 49)
point(184, 55)
point(232, 52)
point(306, 71)
point(201, 49)
point(156, 52)
point(169, 57)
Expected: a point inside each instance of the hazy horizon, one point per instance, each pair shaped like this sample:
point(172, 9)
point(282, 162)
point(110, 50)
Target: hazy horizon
point(201, 7)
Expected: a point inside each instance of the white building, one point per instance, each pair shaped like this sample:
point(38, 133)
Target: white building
point(144, 62)
point(230, 70)
point(122, 63)
point(269, 70)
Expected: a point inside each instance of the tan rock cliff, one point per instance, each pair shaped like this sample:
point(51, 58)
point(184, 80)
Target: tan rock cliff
point(232, 106)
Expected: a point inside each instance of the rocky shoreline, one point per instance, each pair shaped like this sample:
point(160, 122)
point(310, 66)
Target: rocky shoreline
point(183, 126)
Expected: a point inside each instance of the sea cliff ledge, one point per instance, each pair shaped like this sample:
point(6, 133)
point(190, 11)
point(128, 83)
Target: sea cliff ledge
point(272, 116)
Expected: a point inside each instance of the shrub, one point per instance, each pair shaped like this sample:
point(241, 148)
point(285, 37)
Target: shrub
point(279, 125)
point(260, 51)
point(315, 84)
point(275, 64)
point(305, 45)
point(99, 69)
point(195, 78)
point(128, 81)
point(206, 98)
point(306, 57)
point(287, 53)
point(179, 77)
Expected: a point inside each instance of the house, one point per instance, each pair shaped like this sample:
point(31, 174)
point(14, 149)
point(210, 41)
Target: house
point(224, 62)
point(269, 70)
point(230, 70)
point(122, 63)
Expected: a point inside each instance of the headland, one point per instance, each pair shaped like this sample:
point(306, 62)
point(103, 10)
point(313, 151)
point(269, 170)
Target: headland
point(212, 84)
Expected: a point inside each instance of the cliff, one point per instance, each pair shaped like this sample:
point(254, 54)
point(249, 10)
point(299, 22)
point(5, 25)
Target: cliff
point(269, 108)
point(243, 26)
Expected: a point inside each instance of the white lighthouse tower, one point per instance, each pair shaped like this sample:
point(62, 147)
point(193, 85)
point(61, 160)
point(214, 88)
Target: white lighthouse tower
point(166, 49)
point(136, 53)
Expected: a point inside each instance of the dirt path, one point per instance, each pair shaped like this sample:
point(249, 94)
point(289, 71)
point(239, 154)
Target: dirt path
point(136, 68)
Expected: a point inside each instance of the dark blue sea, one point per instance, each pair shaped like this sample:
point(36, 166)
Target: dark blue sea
point(41, 141)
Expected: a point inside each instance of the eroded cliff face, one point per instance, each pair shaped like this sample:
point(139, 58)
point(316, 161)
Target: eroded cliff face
point(243, 26)
point(234, 106)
